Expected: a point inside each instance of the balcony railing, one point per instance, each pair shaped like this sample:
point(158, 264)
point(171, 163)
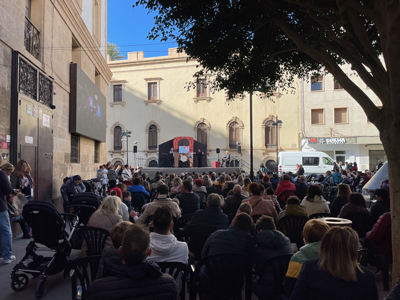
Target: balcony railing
point(32, 39)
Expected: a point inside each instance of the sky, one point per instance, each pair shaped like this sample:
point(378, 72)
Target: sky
point(128, 28)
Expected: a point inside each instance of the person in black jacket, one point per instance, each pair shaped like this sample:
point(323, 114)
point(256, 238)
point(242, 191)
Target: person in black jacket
point(211, 216)
point(232, 203)
point(138, 279)
point(381, 206)
point(189, 202)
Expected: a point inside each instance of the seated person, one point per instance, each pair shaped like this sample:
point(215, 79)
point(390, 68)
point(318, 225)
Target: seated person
point(188, 201)
point(270, 195)
point(259, 205)
point(270, 243)
point(136, 187)
point(164, 245)
point(314, 202)
point(233, 202)
point(111, 261)
point(356, 205)
point(285, 185)
point(313, 232)
point(211, 216)
point(301, 187)
point(140, 279)
point(106, 216)
point(245, 208)
point(336, 274)
point(161, 200)
point(123, 208)
point(380, 237)
point(198, 186)
point(381, 206)
point(234, 239)
point(341, 200)
point(292, 208)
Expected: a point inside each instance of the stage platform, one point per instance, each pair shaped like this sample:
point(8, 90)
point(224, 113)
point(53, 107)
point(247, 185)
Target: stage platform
point(178, 171)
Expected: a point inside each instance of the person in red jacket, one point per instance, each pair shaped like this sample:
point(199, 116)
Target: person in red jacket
point(285, 185)
point(381, 235)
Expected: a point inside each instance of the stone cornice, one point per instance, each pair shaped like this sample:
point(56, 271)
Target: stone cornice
point(75, 23)
point(149, 61)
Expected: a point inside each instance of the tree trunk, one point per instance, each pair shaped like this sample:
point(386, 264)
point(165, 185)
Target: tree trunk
point(391, 143)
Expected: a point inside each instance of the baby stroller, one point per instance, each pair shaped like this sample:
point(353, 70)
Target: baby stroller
point(48, 229)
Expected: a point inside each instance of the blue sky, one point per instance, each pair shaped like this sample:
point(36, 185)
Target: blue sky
point(128, 27)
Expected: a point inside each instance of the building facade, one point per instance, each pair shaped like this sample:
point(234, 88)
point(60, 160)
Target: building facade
point(39, 42)
point(158, 99)
point(333, 122)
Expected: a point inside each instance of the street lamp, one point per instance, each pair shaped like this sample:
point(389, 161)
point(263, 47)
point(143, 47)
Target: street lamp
point(127, 134)
point(277, 123)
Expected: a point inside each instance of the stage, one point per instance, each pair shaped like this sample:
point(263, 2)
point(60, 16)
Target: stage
point(178, 171)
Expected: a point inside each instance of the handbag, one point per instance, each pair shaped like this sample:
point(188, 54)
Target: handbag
point(12, 210)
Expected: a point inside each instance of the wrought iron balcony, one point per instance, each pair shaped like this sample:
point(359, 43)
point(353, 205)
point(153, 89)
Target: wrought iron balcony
point(32, 39)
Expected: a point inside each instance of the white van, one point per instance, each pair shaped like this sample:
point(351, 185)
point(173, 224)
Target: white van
point(313, 162)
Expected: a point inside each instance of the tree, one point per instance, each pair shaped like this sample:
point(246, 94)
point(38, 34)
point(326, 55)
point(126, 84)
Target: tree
point(246, 43)
point(112, 50)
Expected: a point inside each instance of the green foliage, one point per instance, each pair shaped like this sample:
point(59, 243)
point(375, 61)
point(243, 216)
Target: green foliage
point(246, 43)
point(112, 50)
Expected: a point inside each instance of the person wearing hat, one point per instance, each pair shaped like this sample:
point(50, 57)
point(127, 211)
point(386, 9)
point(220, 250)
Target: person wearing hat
point(198, 186)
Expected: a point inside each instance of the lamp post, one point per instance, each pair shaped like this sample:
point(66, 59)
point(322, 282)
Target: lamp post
point(251, 137)
point(127, 134)
point(277, 123)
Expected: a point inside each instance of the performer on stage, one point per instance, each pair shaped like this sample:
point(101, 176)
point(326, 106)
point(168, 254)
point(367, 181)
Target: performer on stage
point(171, 157)
point(199, 155)
point(226, 159)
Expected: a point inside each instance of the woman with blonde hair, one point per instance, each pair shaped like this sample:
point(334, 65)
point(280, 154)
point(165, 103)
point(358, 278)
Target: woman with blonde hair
point(240, 180)
point(106, 215)
point(341, 200)
point(176, 185)
point(245, 187)
point(336, 274)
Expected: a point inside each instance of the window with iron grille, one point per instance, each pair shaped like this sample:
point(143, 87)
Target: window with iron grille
point(270, 134)
point(118, 93)
point(153, 137)
point(117, 138)
point(74, 148)
point(234, 134)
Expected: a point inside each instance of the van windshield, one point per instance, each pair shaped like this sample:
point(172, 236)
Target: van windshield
point(310, 161)
point(327, 161)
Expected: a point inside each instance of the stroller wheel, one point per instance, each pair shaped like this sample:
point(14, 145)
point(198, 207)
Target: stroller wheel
point(40, 288)
point(19, 282)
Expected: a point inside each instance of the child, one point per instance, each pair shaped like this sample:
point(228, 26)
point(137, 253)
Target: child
point(111, 261)
point(337, 177)
point(127, 199)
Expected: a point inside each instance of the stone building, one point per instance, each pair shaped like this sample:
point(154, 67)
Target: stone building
point(39, 39)
point(150, 97)
point(333, 122)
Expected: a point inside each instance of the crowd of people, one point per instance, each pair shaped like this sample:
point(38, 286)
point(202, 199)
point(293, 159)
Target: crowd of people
point(241, 217)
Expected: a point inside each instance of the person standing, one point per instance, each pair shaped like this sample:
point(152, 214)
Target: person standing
point(171, 157)
point(5, 226)
point(112, 176)
point(199, 155)
point(21, 179)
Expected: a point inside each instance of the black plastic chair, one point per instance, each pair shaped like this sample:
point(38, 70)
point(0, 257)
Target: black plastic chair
point(221, 277)
point(276, 268)
point(82, 272)
point(174, 269)
point(282, 197)
point(203, 199)
point(361, 223)
point(292, 227)
point(196, 237)
point(95, 239)
point(138, 200)
point(320, 215)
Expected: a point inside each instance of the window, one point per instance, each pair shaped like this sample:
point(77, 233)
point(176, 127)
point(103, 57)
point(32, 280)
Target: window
point(317, 83)
point(97, 152)
point(202, 133)
point(117, 138)
point(152, 91)
point(317, 116)
point(327, 161)
point(153, 137)
point(201, 88)
point(117, 93)
point(270, 134)
point(341, 116)
point(336, 85)
point(310, 161)
point(234, 134)
point(28, 5)
point(74, 148)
